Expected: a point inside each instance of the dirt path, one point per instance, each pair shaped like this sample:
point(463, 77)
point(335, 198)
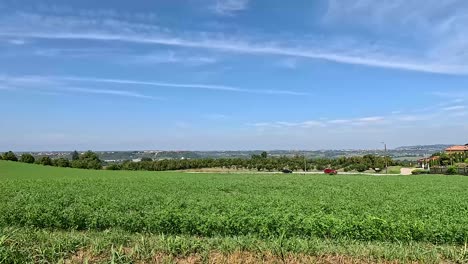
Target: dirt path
point(406, 171)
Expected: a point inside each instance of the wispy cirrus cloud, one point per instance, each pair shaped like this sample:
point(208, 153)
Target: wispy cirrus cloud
point(371, 119)
point(18, 42)
point(229, 7)
point(289, 63)
point(30, 26)
point(109, 92)
point(181, 85)
point(77, 52)
point(121, 55)
point(454, 108)
point(216, 116)
point(49, 86)
point(436, 28)
point(455, 95)
point(171, 57)
point(393, 120)
point(70, 81)
point(283, 124)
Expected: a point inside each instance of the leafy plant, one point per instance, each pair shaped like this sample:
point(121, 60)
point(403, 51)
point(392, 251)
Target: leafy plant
point(452, 170)
point(9, 156)
point(420, 171)
point(27, 158)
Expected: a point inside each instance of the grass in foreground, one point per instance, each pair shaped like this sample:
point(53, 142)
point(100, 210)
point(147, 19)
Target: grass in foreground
point(60, 213)
point(27, 245)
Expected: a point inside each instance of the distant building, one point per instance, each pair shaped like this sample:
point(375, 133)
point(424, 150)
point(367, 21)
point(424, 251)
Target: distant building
point(426, 162)
point(457, 149)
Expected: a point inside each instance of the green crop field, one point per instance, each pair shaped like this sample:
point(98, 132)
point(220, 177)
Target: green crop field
point(50, 214)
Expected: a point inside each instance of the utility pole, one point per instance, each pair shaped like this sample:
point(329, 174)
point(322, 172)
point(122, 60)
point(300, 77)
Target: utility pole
point(305, 164)
point(385, 157)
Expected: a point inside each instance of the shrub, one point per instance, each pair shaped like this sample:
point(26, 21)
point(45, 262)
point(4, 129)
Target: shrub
point(94, 165)
point(452, 170)
point(10, 156)
point(79, 164)
point(62, 162)
point(114, 167)
point(46, 161)
point(360, 167)
point(75, 155)
point(27, 158)
point(87, 160)
point(320, 167)
point(347, 169)
point(420, 171)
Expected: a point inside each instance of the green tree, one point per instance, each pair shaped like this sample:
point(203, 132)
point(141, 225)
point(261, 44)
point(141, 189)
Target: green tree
point(89, 155)
point(75, 155)
point(114, 167)
point(452, 170)
point(94, 165)
point(264, 155)
point(62, 162)
point(79, 164)
point(146, 159)
point(87, 160)
point(10, 156)
point(27, 158)
point(360, 167)
point(46, 161)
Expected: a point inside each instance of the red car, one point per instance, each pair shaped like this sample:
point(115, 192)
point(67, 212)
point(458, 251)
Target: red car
point(330, 171)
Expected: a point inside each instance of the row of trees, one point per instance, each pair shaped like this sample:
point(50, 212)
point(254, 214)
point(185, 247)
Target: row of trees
point(261, 163)
point(87, 160)
point(90, 160)
point(445, 159)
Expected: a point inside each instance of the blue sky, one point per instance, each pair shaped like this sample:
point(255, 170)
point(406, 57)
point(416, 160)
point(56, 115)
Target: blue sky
point(234, 74)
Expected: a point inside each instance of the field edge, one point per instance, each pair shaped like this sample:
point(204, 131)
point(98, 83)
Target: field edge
point(57, 246)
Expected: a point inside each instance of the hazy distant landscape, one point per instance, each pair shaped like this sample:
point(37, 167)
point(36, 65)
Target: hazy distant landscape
point(410, 153)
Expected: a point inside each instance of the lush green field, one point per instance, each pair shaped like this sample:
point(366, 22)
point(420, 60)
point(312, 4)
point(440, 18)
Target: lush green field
point(398, 210)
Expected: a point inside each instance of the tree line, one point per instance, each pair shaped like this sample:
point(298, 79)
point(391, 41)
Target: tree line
point(87, 160)
point(445, 159)
point(262, 162)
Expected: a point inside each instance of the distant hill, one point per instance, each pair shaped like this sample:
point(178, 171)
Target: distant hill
point(401, 153)
point(435, 148)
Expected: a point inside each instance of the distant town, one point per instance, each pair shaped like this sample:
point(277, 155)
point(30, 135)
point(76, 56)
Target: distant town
point(408, 153)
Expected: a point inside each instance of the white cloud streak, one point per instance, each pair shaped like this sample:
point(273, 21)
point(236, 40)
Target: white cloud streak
point(180, 85)
point(18, 42)
point(230, 7)
point(51, 86)
point(171, 57)
point(69, 81)
point(109, 92)
point(372, 60)
point(436, 28)
point(454, 108)
point(113, 30)
point(456, 96)
point(400, 119)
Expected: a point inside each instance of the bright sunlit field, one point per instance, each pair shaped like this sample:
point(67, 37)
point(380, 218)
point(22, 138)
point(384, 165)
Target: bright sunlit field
point(313, 214)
